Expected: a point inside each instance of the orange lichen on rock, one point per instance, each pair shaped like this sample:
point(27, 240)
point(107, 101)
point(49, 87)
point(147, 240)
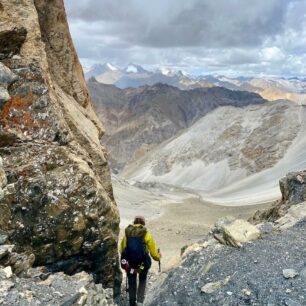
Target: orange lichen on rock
point(23, 115)
point(15, 102)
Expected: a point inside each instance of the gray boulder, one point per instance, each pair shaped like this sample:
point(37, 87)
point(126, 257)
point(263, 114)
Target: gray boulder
point(235, 232)
point(7, 77)
point(293, 187)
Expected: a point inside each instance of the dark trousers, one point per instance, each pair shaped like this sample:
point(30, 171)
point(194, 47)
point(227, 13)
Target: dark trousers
point(132, 279)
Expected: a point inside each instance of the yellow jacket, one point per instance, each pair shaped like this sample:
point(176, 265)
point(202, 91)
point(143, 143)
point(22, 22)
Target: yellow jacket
point(150, 244)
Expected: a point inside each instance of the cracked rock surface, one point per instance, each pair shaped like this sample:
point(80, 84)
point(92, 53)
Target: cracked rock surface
point(55, 189)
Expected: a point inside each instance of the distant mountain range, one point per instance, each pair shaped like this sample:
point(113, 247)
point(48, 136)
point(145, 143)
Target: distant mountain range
point(270, 88)
point(138, 119)
point(227, 145)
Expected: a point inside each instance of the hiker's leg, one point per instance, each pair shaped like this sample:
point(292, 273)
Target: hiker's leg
point(132, 279)
point(142, 286)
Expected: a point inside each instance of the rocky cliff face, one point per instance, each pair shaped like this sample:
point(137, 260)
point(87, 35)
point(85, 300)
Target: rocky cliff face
point(55, 189)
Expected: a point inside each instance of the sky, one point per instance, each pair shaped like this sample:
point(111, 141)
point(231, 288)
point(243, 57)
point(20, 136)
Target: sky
point(231, 37)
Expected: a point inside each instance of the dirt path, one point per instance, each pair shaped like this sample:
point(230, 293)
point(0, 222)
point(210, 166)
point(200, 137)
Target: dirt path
point(181, 224)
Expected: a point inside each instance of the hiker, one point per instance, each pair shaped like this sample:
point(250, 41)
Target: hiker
point(135, 259)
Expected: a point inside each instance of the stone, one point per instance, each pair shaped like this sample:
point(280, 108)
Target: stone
point(290, 273)
point(220, 223)
point(246, 292)
point(265, 228)
point(213, 286)
point(7, 77)
point(6, 285)
point(294, 214)
point(239, 232)
point(7, 137)
point(191, 248)
point(4, 96)
point(8, 272)
point(5, 250)
point(3, 179)
point(293, 187)
point(23, 263)
point(3, 237)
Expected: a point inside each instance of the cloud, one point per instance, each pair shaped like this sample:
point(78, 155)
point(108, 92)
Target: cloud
point(236, 34)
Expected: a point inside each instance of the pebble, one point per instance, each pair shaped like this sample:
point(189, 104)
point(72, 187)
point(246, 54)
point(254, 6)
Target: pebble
point(3, 238)
point(8, 272)
point(211, 287)
point(246, 291)
point(290, 273)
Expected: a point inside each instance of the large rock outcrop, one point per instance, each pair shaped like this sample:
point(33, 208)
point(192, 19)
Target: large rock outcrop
point(293, 189)
point(56, 198)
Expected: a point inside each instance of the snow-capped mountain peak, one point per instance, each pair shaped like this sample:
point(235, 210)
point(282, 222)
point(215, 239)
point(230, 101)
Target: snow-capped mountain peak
point(132, 68)
point(167, 71)
point(171, 72)
point(111, 67)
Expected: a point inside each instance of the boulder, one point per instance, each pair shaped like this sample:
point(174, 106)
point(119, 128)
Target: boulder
point(8, 272)
point(7, 77)
point(293, 187)
point(239, 232)
point(294, 214)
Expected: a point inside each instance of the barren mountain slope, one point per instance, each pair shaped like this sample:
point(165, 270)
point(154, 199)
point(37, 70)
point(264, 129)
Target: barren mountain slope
point(225, 147)
point(139, 119)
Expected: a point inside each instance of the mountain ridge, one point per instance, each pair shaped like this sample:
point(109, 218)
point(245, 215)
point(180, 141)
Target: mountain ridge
point(271, 88)
point(143, 117)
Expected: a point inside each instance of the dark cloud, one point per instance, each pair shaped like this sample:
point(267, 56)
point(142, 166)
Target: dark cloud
point(194, 32)
point(204, 23)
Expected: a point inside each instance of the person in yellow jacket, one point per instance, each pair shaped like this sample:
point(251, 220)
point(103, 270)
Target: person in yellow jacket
point(135, 248)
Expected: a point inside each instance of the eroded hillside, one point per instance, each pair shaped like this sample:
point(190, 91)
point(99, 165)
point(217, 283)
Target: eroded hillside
point(139, 119)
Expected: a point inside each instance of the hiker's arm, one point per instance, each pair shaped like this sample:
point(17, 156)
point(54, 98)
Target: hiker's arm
point(152, 247)
point(123, 244)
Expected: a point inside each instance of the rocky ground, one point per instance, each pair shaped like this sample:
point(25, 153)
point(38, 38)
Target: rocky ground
point(244, 264)
point(251, 275)
point(57, 289)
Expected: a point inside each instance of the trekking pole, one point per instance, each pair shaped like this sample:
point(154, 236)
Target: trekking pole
point(159, 264)
point(126, 287)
